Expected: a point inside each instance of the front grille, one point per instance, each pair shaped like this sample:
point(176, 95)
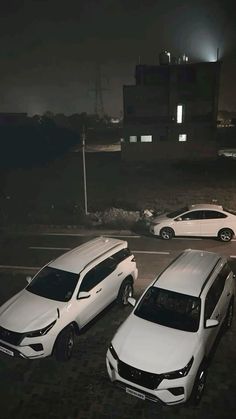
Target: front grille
point(142, 378)
point(10, 337)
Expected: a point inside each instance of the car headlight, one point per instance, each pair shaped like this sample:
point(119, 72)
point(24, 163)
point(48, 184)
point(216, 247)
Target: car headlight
point(40, 332)
point(179, 373)
point(113, 352)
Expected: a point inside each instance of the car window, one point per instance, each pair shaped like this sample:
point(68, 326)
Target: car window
point(121, 255)
point(225, 271)
point(192, 215)
point(214, 295)
point(97, 274)
point(213, 215)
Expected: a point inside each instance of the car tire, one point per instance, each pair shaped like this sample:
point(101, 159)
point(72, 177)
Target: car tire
point(125, 291)
point(64, 344)
point(167, 233)
point(225, 234)
point(229, 315)
point(199, 385)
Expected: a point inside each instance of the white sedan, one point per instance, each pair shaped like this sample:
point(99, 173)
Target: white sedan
point(207, 220)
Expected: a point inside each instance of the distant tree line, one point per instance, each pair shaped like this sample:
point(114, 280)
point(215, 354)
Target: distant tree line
point(36, 140)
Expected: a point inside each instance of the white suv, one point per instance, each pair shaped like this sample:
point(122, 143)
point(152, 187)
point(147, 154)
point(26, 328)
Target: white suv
point(161, 351)
point(207, 220)
point(64, 296)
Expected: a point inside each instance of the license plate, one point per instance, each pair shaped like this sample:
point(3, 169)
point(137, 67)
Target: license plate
point(6, 351)
point(135, 393)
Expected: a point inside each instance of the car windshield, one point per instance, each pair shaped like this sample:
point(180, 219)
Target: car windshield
point(54, 284)
point(171, 309)
point(177, 212)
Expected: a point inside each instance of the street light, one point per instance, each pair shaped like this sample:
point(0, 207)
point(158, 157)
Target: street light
point(84, 172)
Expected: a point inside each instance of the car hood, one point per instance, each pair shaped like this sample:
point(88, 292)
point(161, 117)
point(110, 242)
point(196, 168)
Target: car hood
point(27, 312)
point(153, 348)
point(160, 219)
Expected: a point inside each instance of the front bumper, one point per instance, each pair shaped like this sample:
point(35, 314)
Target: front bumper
point(30, 348)
point(154, 230)
point(163, 394)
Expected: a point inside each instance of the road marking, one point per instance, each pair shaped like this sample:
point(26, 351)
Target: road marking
point(150, 252)
point(86, 235)
point(49, 248)
point(233, 240)
point(19, 267)
point(233, 257)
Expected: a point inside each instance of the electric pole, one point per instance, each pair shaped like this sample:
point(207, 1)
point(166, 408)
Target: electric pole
point(84, 172)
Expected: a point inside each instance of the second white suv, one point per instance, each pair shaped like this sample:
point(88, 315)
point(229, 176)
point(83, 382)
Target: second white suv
point(161, 351)
point(64, 296)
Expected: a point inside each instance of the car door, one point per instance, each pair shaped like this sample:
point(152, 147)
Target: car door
point(94, 284)
point(212, 222)
point(188, 224)
point(214, 309)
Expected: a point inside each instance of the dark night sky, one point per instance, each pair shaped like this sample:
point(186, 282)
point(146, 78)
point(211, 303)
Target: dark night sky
point(49, 48)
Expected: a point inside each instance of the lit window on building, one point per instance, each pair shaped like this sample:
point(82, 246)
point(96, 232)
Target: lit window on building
point(182, 137)
point(146, 138)
point(133, 139)
point(179, 114)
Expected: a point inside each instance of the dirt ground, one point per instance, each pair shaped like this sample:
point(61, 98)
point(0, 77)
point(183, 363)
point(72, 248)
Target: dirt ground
point(54, 194)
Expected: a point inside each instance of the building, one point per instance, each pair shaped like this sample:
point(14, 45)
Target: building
point(171, 111)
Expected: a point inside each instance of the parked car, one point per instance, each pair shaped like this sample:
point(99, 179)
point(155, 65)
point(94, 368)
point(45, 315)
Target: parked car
point(227, 152)
point(64, 296)
point(161, 352)
point(207, 220)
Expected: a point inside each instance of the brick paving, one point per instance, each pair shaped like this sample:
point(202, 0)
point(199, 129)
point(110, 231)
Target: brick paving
point(80, 389)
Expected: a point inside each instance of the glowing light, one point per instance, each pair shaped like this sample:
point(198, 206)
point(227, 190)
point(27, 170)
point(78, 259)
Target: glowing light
point(182, 137)
point(179, 114)
point(146, 138)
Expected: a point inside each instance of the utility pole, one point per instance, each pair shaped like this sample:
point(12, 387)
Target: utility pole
point(84, 172)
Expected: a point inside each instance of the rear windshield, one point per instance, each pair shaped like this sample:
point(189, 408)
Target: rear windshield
point(171, 309)
point(230, 211)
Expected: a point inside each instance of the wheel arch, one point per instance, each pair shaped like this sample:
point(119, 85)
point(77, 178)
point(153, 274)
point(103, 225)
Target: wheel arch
point(71, 324)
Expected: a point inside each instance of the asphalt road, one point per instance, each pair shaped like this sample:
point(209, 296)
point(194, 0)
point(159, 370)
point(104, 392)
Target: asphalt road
point(81, 389)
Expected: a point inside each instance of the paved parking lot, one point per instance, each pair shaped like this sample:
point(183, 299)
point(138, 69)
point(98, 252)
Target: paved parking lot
point(81, 388)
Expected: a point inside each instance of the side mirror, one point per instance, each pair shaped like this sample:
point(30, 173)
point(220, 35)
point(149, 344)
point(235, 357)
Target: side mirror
point(132, 301)
point(178, 219)
point(29, 279)
point(211, 323)
point(82, 295)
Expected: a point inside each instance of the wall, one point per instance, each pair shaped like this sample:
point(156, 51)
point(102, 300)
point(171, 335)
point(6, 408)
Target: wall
point(168, 151)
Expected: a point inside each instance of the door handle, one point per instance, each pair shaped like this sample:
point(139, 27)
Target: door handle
point(229, 293)
point(98, 291)
point(218, 315)
point(120, 274)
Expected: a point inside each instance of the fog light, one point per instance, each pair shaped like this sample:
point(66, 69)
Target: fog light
point(176, 391)
point(37, 347)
